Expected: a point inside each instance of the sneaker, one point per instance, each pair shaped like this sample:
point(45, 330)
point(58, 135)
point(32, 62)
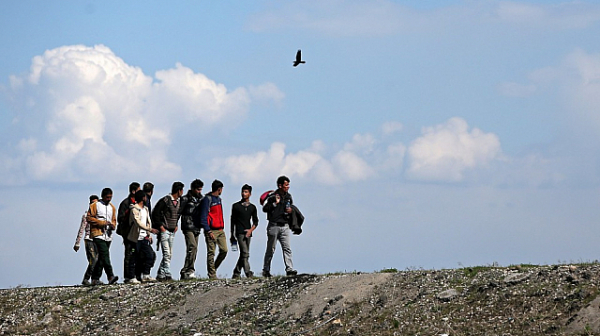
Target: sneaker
point(236, 276)
point(131, 281)
point(191, 276)
point(96, 282)
point(86, 282)
point(266, 274)
point(113, 280)
point(163, 278)
point(250, 274)
point(291, 273)
point(147, 278)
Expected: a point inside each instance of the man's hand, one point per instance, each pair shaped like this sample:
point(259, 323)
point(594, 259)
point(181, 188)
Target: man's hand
point(155, 231)
point(288, 210)
point(211, 235)
point(277, 198)
point(249, 232)
point(162, 229)
point(176, 229)
point(76, 248)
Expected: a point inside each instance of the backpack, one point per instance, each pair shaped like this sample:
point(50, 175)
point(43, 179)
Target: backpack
point(265, 196)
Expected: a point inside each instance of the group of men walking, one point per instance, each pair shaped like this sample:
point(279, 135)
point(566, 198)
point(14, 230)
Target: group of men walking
point(136, 222)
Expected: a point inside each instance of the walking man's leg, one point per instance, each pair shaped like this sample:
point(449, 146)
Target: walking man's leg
point(284, 240)
point(91, 252)
point(272, 233)
point(222, 243)
point(210, 256)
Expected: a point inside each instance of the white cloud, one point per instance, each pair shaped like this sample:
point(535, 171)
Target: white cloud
point(391, 127)
point(82, 111)
point(446, 151)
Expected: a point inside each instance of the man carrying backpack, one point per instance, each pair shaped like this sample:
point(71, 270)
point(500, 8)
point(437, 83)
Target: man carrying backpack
point(123, 228)
point(165, 216)
point(210, 216)
point(278, 207)
point(191, 232)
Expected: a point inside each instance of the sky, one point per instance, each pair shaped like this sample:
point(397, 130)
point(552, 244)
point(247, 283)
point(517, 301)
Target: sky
point(417, 135)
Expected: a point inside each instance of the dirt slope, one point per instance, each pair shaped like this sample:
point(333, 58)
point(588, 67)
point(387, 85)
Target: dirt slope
point(523, 300)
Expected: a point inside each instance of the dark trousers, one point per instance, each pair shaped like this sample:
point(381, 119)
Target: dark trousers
point(91, 252)
point(103, 260)
point(129, 260)
point(145, 256)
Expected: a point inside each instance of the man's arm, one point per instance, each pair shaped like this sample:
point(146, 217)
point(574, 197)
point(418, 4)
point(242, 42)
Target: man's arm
point(80, 233)
point(231, 222)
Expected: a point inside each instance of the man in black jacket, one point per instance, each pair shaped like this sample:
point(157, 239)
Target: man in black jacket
point(190, 231)
point(241, 230)
point(123, 230)
point(278, 208)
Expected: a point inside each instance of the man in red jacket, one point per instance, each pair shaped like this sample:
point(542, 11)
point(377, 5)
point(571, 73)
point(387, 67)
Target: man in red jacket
point(211, 220)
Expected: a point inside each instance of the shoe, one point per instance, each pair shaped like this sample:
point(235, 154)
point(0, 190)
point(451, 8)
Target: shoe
point(113, 280)
point(191, 276)
point(85, 282)
point(212, 276)
point(96, 282)
point(291, 273)
point(266, 274)
point(250, 274)
point(163, 278)
point(236, 276)
point(147, 278)
point(131, 281)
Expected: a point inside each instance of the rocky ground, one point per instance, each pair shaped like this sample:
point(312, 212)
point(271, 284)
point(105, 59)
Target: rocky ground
point(520, 300)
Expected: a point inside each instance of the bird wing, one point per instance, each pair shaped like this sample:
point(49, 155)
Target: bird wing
point(299, 56)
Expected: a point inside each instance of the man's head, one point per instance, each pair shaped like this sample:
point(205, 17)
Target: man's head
point(177, 189)
point(246, 191)
point(148, 188)
point(133, 187)
point(140, 196)
point(283, 183)
point(196, 187)
point(106, 195)
point(217, 187)
point(93, 199)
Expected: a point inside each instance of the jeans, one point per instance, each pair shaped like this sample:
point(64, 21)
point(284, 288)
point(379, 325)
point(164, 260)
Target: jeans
point(103, 260)
point(166, 245)
point(91, 252)
point(191, 250)
point(211, 263)
point(242, 263)
point(145, 257)
point(129, 260)
point(282, 234)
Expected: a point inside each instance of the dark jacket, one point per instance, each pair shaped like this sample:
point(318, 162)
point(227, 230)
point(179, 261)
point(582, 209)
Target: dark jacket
point(296, 220)
point(189, 203)
point(241, 216)
point(166, 214)
point(123, 223)
point(276, 212)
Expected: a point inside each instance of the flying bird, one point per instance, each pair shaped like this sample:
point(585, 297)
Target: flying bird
point(298, 58)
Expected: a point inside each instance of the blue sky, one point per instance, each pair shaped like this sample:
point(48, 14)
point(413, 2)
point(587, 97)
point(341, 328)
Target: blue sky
point(416, 135)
